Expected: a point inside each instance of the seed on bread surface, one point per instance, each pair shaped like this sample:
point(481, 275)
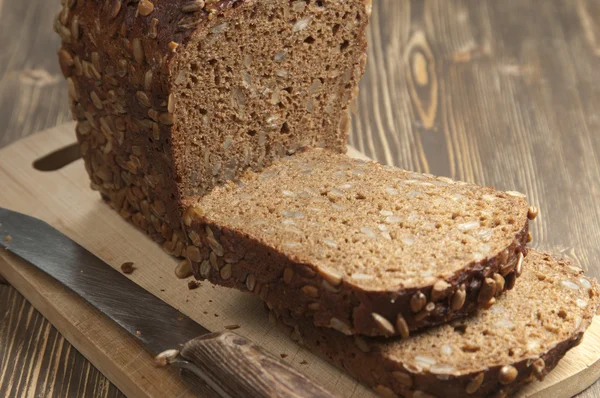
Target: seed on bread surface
point(508, 374)
point(418, 301)
point(476, 359)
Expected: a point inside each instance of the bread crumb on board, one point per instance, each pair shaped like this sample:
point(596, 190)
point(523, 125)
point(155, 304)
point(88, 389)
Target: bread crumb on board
point(127, 267)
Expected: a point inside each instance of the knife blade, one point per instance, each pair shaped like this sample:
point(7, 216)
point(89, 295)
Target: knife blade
point(225, 361)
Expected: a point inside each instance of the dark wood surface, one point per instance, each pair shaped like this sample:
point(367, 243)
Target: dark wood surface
point(503, 93)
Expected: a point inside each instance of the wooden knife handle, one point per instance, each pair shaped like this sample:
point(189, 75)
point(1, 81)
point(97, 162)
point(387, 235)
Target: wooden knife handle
point(234, 367)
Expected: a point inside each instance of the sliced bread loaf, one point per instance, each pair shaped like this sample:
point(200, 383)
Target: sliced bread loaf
point(173, 97)
point(357, 246)
point(491, 354)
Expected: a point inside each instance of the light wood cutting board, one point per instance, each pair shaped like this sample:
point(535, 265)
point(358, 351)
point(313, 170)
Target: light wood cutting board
point(63, 199)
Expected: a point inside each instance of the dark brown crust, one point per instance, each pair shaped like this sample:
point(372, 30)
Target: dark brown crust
point(375, 368)
point(135, 174)
point(349, 306)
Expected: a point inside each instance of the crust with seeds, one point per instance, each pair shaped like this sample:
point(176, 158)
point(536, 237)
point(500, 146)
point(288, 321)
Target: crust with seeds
point(303, 225)
point(496, 351)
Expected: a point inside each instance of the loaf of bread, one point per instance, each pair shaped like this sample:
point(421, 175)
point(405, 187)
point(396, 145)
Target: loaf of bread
point(174, 97)
point(357, 246)
point(491, 354)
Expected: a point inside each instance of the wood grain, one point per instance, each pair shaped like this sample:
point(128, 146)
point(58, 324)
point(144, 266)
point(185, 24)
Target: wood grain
point(35, 360)
point(237, 367)
point(497, 92)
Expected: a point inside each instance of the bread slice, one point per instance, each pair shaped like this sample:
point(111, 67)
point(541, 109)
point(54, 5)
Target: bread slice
point(493, 353)
point(173, 97)
point(357, 246)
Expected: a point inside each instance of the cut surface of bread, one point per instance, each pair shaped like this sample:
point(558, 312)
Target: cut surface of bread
point(175, 97)
point(359, 247)
point(491, 353)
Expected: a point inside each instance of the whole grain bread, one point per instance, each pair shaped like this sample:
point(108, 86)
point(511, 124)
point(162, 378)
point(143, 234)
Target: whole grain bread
point(357, 246)
point(491, 354)
point(175, 97)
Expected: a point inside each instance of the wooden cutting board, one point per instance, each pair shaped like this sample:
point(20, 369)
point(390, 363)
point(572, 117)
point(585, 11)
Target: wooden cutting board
point(63, 199)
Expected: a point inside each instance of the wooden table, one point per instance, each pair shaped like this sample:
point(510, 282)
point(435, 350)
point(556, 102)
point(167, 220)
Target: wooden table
point(495, 92)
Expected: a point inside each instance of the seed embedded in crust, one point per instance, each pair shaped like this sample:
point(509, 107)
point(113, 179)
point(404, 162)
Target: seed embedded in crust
point(529, 237)
point(507, 374)
point(507, 268)
point(192, 213)
point(519, 268)
point(153, 29)
point(421, 394)
point(193, 254)
point(383, 324)
point(311, 291)
point(138, 51)
point(499, 279)
point(340, 326)
point(213, 261)
point(72, 89)
point(288, 274)
point(361, 344)
point(439, 290)
point(418, 301)
point(205, 269)
point(538, 368)
point(96, 100)
point(504, 256)
point(314, 306)
point(225, 272)
point(145, 7)
point(171, 103)
point(403, 378)
point(425, 312)
point(488, 290)
point(116, 7)
point(402, 326)
point(532, 213)
point(173, 46)
point(475, 383)
point(193, 6)
point(143, 99)
point(165, 357)
point(250, 282)
point(332, 277)
point(166, 118)
point(458, 299)
point(385, 392)
point(184, 269)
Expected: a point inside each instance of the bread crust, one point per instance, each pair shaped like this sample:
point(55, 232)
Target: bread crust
point(372, 361)
point(345, 307)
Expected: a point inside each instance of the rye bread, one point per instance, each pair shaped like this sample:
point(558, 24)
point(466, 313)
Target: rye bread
point(174, 97)
point(359, 247)
point(490, 354)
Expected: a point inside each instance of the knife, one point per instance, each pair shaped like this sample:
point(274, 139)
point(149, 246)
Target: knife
point(228, 363)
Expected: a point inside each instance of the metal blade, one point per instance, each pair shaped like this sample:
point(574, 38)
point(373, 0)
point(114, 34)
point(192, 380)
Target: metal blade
point(147, 318)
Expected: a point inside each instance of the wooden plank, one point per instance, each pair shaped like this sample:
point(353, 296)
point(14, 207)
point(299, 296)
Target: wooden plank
point(63, 199)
